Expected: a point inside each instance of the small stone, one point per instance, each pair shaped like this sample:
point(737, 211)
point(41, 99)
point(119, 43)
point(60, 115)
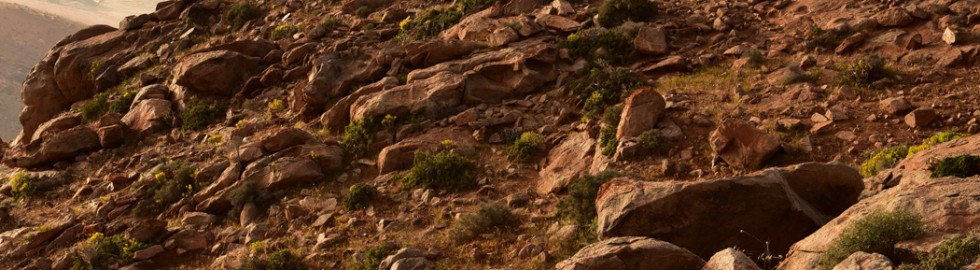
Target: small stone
point(921, 117)
point(896, 106)
point(147, 253)
point(949, 36)
point(819, 118)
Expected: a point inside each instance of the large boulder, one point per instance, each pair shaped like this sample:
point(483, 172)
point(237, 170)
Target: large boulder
point(631, 253)
point(285, 172)
point(401, 156)
point(336, 74)
point(437, 51)
point(651, 40)
point(641, 112)
point(66, 75)
point(435, 95)
point(60, 146)
point(148, 116)
point(567, 161)
point(283, 138)
point(742, 145)
point(865, 261)
point(780, 205)
point(216, 73)
point(947, 206)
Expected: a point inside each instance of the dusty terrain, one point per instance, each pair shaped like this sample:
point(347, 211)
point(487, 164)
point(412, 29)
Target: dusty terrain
point(521, 134)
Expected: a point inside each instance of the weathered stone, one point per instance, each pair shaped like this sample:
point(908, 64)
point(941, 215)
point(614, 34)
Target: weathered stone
point(631, 253)
point(641, 113)
point(921, 117)
point(149, 116)
point(894, 17)
point(56, 147)
point(283, 138)
point(650, 40)
point(567, 161)
point(896, 106)
point(218, 73)
point(780, 205)
point(730, 259)
point(865, 261)
point(285, 172)
point(742, 145)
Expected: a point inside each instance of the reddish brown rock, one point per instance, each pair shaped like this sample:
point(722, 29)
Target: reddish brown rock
point(283, 138)
point(921, 117)
point(111, 136)
point(631, 253)
point(149, 116)
point(642, 110)
point(217, 73)
point(286, 172)
point(894, 17)
point(865, 261)
point(742, 145)
point(730, 259)
point(780, 205)
point(567, 161)
point(57, 147)
point(650, 40)
point(896, 106)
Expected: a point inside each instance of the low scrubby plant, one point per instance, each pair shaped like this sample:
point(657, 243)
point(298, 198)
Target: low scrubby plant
point(488, 219)
point(443, 169)
point(863, 72)
point(612, 13)
point(242, 13)
point(244, 193)
point(281, 259)
point(607, 134)
point(198, 115)
point(283, 31)
point(168, 184)
point(95, 107)
point(525, 148)
point(596, 44)
point(959, 166)
point(952, 254)
point(360, 196)
point(883, 159)
point(363, 11)
point(434, 21)
point(875, 233)
point(373, 256)
point(109, 250)
point(652, 141)
point(578, 206)
point(21, 185)
point(359, 135)
point(942, 137)
point(603, 87)
point(331, 24)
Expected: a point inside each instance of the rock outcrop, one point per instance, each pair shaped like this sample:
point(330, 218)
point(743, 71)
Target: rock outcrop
point(622, 253)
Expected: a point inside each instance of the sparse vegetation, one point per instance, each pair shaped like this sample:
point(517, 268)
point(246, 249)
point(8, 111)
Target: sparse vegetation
point(281, 259)
point(22, 186)
point(615, 12)
point(109, 250)
point(242, 13)
point(827, 39)
point(651, 141)
point(883, 160)
point(283, 31)
point(876, 233)
point(373, 257)
point(603, 87)
point(434, 21)
point(607, 135)
point(363, 11)
point(578, 206)
point(952, 254)
point(489, 218)
point(360, 196)
point(942, 137)
point(94, 108)
point(359, 135)
point(863, 72)
point(331, 24)
point(243, 193)
point(442, 170)
point(198, 115)
point(597, 44)
point(525, 148)
point(959, 166)
point(168, 184)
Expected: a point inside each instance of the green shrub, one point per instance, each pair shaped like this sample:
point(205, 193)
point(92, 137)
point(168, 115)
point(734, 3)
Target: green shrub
point(359, 135)
point(373, 256)
point(360, 196)
point(434, 21)
point(109, 250)
point(959, 166)
point(94, 108)
point(579, 205)
point(331, 24)
point(528, 146)
point(651, 140)
point(611, 46)
point(883, 159)
point(363, 11)
point(607, 135)
point(121, 104)
point(863, 72)
point(612, 13)
point(488, 219)
point(242, 13)
point(198, 115)
point(244, 193)
point(169, 183)
point(942, 137)
point(283, 31)
point(876, 233)
point(603, 87)
point(952, 254)
point(282, 259)
point(22, 186)
point(442, 170)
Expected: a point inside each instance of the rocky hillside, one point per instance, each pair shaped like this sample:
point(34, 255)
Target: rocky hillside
point(494, 134)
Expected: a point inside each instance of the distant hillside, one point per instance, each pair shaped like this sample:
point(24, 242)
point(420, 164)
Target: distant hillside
point(27, 36)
